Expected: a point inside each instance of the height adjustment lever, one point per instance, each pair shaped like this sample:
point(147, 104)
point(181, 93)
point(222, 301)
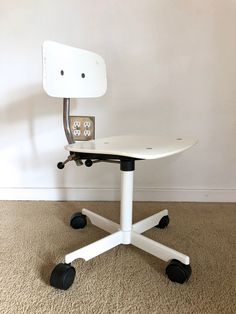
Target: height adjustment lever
point(71, 157)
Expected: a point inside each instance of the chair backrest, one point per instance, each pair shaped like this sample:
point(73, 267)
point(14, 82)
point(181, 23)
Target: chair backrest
point(70, 72)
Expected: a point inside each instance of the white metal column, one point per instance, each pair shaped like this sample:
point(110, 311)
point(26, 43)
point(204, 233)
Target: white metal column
point(126, 204)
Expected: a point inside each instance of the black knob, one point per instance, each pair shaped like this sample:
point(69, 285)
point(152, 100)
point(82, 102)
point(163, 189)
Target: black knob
point(88, 162)
point(60, 165)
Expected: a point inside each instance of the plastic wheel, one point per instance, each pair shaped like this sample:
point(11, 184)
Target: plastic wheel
point(62, 276)
point(164, 222)
point(78, 221)
point(178, 272)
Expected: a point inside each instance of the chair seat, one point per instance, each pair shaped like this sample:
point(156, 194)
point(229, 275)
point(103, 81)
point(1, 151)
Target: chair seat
point(140, 147)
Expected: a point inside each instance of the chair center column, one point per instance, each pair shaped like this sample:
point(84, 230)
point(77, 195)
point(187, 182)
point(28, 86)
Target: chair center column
point(126, 200)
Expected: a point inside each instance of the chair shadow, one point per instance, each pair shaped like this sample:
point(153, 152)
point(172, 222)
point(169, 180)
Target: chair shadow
point(28, 109)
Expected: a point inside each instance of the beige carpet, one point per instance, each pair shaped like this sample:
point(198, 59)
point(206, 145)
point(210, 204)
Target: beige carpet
point(36, 235)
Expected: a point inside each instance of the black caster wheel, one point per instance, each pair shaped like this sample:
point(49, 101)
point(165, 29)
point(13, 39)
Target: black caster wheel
point(62, 276)
point(178, 272)
point(78, 221)
point(163, 223)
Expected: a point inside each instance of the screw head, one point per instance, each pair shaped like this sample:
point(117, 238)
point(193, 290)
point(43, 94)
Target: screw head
point(88, 163)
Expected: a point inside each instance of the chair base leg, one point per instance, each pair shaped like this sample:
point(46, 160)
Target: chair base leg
point(95, 248)
point(157, 249)
point(133, 237)
point(149, 222)
point(101, 222)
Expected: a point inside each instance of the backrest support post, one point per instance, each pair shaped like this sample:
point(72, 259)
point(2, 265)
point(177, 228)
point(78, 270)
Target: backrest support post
point(66, 120)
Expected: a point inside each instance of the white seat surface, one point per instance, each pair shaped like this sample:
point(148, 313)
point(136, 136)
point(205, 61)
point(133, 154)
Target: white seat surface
point(142, 147)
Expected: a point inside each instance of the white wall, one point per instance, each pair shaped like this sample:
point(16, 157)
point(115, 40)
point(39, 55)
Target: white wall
point(171, 69)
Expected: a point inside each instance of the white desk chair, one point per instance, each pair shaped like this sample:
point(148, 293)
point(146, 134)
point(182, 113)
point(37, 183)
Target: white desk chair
point(74, 73)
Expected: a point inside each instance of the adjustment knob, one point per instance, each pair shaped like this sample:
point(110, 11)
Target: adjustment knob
point(60, 165)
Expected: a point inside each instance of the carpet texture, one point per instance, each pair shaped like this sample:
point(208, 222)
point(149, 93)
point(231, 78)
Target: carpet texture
point(34, 236)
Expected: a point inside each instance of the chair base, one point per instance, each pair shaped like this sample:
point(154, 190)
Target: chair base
point(124, 233)
point(118, 236)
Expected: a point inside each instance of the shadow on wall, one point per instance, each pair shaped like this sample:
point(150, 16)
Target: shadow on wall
point(30, 105)
point(26, 137)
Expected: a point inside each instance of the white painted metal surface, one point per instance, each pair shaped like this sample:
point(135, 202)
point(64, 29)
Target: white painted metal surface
point(120, 237)
point(101, 222)
point(149, 222)
point(126, 204)
point(144, 147)
point(157, 249)
point(70, 72)
point(126, 233)
point(95, 248)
